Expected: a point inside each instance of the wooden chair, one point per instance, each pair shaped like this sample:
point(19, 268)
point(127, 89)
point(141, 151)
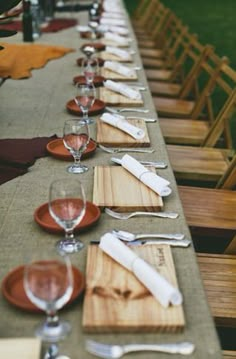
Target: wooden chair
point(206, 165)
point(219, 277)
point(187, 56)
point(168, 40)
point(231, 248)
point(144, 25)
point(206, 133)
point(140, 10)
point(210, 213)
point(154, 35)
point(229, 354)
point(203, 81)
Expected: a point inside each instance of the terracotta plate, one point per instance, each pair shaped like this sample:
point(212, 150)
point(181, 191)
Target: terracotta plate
point(57, 149)
point(97, 45)
point(80, 61)
point(97, 108)
point(13, 289)
point(88, 34)
point(97, 81)
point(44, 219)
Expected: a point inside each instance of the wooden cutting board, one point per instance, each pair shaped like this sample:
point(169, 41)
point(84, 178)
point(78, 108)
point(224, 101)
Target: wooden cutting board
point(106, 56)
point(108, 42)
point(116, 301)
point(112, 75)
point(116, 99)
point(116, 188)
point(108, 135)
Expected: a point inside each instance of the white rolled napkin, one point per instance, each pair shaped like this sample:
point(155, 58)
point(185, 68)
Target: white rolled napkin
point(121, 123)
point(123, 54)
point(123, 89)
point(160, 288)
point(116, 22)
point(118, 68)
point(113, 15)
point(121, 40)
point(119, 30)
point(114, 5)
point(149, 178)
point(83, 28)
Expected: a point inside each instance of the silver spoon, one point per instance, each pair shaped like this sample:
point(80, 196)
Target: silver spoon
point(127, 236)
point(184, 243)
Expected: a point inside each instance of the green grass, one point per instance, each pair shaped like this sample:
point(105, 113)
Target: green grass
point(214, 23)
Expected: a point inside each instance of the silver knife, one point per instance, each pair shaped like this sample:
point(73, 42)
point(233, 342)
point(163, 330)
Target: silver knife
point(126, 109)
point(156, 164)
point(145, 119)
point(141, 242)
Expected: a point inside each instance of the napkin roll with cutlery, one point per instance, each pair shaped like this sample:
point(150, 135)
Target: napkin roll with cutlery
point(118, 30)
point(120, 40)
point(121, 123)
point(123, 89)
point(114, 5)
point(149, 178)
point(114, 22)
point(160, 288)
point(113, 15)
point(120, 69)
point(122, 54)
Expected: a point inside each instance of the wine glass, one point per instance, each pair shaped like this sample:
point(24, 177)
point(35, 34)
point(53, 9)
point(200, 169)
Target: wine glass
point(90, 67)
point(76, 139)
point(67, 205)
point(48, 283)
point(93, 26)
point(85, 97)
point(88, 51)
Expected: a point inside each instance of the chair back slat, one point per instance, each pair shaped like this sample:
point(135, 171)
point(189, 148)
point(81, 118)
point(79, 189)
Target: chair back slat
point(148, 14)
point(141, 9)
point(228, 180)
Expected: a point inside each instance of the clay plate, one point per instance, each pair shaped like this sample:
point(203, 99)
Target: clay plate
point(13, 289)
point(57, 149)
point(43, 218)
point(97, 108)
point(97, 81)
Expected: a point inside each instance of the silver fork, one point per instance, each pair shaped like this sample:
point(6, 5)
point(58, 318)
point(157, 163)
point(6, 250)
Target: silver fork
point(126, 109)
point(130, 149)
point(117, 215)
point(145, 119)
point(117, 351)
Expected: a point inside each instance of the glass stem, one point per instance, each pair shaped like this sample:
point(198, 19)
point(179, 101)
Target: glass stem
point(52, 319)
point(77, 160)
point(69, 235)
point(85, 114)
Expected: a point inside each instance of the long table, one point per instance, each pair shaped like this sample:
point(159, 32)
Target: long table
point(36, 107)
